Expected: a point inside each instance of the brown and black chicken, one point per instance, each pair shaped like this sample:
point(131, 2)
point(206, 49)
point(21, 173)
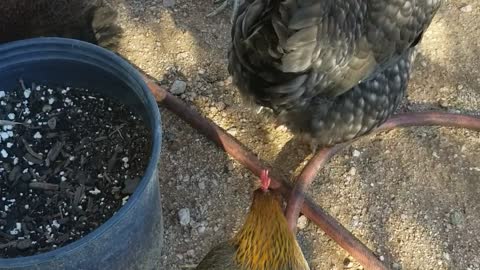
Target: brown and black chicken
point(263, 243)
point(92, 21)
point(331, 70)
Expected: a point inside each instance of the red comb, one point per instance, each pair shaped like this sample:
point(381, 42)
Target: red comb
point(265, 180)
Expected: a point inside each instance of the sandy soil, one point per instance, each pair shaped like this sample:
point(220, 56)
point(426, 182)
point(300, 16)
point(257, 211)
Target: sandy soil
point(411, 195)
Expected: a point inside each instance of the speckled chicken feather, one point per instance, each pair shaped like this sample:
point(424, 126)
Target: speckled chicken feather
point(331, 69)
point(88, 20)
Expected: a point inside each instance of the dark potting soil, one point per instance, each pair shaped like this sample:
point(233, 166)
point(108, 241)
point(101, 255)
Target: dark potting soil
point(69, 159)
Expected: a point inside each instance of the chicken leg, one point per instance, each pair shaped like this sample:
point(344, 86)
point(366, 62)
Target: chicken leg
point(223, 6)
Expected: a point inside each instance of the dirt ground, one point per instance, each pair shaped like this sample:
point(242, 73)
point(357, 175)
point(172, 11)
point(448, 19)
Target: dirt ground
point(411, 194)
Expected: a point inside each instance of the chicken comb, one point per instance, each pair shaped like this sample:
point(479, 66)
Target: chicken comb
point(265, 180)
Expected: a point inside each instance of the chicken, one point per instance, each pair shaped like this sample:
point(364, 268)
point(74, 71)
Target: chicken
point(330, 70)
point(93, 21)
point(263, 243)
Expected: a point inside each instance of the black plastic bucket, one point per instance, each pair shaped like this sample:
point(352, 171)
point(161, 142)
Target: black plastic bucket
point(132, 238)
